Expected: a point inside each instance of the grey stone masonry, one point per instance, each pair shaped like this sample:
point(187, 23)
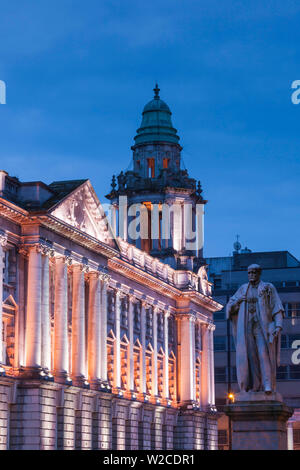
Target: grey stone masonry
point(40, 415)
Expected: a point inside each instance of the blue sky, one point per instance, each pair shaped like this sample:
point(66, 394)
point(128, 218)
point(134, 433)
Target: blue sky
point(79, 73)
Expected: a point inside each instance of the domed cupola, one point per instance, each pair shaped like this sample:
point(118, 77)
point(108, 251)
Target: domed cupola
point(160, 185)
point(156, 123)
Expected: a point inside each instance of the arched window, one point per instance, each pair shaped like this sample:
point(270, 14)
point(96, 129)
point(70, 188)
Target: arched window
point(111, 339)
point(172, 377)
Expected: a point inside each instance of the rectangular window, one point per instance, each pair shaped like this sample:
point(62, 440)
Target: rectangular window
point(151, 167)
point(220, 374)
point(222, 437)
point(282, 373)
point(293, 338)
point(295, 372)
point(220, 343)
point(284, 342)
point(166, 163)
point(220, 315)
point(217, 283)
point(296, 436)
point(233, 374)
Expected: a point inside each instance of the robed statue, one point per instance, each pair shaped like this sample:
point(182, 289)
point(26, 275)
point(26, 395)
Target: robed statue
point(256, 313)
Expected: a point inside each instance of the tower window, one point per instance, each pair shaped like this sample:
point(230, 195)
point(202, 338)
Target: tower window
point(138, 164)
point(166, 162)
point(151, 167)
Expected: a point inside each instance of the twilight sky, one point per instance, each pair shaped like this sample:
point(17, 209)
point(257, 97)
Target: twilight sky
point(79, 73)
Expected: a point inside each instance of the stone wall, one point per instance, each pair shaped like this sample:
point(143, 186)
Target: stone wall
point(48, 416)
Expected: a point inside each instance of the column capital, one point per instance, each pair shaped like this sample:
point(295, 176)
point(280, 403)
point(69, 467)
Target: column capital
point(145, 303)
point(66, 259)
point(84, 268)
point(105, 278)
point(94, 275)
point(47, 250)
point(167, 313)
point(132, 298)
point(208, 326)
point(188, 316)
point(119, 293)
point(3, 239)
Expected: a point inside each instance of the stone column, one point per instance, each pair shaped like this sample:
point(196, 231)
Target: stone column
point(143, 353)
point(33, 317)
point(166, 358)
point(117, 352)
point(105, 280)
point(132, 300)
point(61, 336)
point(78, 325)
point(154, 375)
point(187, 358)
point(3, 241)
point(290, 436)
point(94, 330)
point(46, 322)
point(212, 367)
point(205, 367)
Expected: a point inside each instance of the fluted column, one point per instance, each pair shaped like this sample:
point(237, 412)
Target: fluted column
point(117, 352)
point(212, 367)
point(3, 241)
point(33, 316)
point(61, 346)
point(166, 358)
point(131, 341)
point(78, 325)
point(187, 359)
point(205, 369)
point(154, 375)
point(105, 280)
point(290, 436)
point(46, 322)
point(94, 330)
point(143, 353)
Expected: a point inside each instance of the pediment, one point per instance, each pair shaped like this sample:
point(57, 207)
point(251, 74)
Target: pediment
point(82, 210)
point(10, 303)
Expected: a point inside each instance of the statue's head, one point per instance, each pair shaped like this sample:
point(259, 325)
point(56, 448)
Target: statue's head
point(254, 273)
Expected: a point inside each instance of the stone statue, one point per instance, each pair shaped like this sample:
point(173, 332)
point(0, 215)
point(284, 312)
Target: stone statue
point(256, 313)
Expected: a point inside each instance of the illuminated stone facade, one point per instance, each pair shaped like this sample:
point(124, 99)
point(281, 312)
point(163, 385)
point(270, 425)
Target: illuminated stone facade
point(106, 343)
point(102, 345)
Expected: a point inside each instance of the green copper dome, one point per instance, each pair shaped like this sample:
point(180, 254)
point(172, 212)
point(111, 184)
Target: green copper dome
point(156, 123)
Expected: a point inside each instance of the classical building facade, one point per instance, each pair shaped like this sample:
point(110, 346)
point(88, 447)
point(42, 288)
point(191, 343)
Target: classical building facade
point(103, 344)
point(282, 269)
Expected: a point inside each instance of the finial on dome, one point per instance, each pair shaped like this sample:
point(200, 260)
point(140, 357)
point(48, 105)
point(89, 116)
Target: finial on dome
point(156, 92)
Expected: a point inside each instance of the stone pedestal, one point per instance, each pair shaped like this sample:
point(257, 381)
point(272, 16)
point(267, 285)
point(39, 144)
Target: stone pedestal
point(259, 421)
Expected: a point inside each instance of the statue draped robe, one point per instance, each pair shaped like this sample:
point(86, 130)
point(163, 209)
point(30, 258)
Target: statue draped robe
point(269, 312)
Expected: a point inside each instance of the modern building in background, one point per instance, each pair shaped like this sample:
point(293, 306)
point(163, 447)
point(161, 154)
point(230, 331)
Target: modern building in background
point(227, 274)
point(106, 342)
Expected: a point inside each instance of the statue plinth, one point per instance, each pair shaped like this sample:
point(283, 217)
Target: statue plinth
point(259, 421)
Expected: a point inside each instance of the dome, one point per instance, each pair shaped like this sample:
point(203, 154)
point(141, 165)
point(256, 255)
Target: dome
point(156, 124)
point(156, 105)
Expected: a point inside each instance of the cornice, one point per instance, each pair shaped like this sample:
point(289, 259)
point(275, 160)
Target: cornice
point(76, 235)
point(13, 212)
point(144, 278)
